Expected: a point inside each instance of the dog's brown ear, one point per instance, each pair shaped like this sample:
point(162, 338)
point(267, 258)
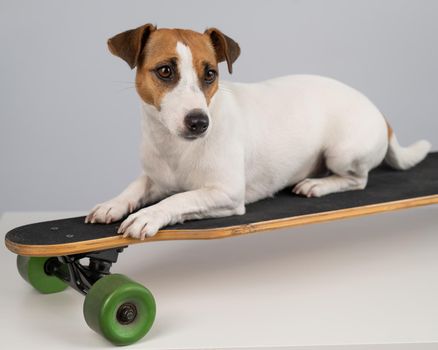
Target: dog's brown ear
point(128, 45)
point(226, 48)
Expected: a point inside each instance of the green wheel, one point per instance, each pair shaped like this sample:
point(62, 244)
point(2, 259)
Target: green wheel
point(120, 309)
point(33, 270)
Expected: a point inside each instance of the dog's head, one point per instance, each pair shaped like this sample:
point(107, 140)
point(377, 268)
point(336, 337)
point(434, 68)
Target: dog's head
point(177, 72)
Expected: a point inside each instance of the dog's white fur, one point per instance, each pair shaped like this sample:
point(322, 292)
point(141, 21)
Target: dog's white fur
point(262, 137)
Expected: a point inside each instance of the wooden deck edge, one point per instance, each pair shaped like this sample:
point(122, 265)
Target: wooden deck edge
point(215, 233)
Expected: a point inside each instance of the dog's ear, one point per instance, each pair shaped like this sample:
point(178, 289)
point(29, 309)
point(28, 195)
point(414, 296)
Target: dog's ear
point(226, 48)
point(128, 45)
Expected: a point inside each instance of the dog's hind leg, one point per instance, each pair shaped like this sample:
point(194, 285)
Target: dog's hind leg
point(347, 175)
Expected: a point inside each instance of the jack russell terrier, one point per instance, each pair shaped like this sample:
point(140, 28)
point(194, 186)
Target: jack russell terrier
point(210, 147)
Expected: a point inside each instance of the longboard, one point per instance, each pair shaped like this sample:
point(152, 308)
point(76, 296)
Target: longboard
point(50, 253)
point(387, 190)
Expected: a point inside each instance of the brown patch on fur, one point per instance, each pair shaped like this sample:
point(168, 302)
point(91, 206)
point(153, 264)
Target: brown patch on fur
point(203, 56)
point(226, 48)
point(390, 131)
point(129, 44)
point(147, 48)
point(160, 48)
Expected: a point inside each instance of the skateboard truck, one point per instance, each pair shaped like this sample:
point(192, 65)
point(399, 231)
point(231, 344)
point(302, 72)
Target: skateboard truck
point(82, 277)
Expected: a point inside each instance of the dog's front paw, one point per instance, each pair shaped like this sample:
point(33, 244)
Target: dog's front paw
point(110, 211)
point(144, 223)
point(310, 188)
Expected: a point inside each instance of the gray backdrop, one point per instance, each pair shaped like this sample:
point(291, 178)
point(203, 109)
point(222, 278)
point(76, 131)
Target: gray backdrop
point(69, 134)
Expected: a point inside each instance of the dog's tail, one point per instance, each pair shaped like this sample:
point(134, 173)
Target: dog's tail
point(402, 158)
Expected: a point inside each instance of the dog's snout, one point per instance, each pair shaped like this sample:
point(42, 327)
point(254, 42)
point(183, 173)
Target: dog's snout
point(196, 122)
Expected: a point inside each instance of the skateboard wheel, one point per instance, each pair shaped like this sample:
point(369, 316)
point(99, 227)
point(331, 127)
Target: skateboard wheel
point(120, 309)
point(33, 270)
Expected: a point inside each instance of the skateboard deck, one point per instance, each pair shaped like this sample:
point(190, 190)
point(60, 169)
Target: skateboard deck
point(387, 190)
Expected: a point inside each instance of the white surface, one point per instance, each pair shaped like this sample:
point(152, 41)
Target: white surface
point(371, 280)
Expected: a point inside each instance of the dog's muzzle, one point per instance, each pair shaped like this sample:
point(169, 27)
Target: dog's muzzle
point(196, 123)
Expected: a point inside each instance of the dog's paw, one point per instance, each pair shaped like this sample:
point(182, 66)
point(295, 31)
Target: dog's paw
point(310, 188)
point(144, 223)
point(110, 211)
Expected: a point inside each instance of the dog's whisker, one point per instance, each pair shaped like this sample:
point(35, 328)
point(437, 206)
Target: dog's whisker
point(224, 89)
point(124, 82)
point(126, 88)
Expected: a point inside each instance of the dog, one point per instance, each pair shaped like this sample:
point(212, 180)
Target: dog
point(209, 147)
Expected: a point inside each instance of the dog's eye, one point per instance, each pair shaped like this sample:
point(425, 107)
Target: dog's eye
point(210, 76)
point(164, 72)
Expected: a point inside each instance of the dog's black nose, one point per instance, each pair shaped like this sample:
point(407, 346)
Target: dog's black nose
point(196, 121)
